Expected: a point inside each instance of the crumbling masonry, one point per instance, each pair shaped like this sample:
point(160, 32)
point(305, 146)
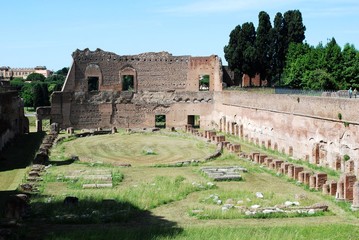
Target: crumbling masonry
point(105, 90)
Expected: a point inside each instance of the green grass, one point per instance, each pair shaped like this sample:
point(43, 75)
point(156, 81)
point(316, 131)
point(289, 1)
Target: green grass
point(150, 202)
point(136, 149)
point(299, 232)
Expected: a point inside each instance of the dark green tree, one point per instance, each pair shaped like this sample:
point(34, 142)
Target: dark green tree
point(333, 60)
point(62, 71)
point(278, 46)
point(35, 77)
point(27, 94)
point(233, 52)
point(40, 95)
point(350, 73)
point(18, 83)
point(263, 46)
point(293, 27)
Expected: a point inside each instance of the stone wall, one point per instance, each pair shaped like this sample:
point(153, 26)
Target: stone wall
point(162, 85)
point(12, 119)
point(304, 127)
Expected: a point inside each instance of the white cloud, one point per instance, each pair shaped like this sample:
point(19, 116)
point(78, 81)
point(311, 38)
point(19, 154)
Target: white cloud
point(218, 6)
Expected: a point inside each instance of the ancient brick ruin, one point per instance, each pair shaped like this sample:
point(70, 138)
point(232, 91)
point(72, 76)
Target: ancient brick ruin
point(106, 90)
point(12, 118)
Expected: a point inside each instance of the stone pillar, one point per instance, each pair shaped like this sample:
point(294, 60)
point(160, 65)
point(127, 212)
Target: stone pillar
point(70, 130)
point(277, 164)
point(355, 205)
point(332, 187)
point(312, 181)
point(54, 128)
point(38, 125)
point(326, 189)
point(291, 171)
point(306, 178)
point(256, 158)
point(267, 161)
point(233, 131)
point(284, 167)
point(296, 172)
point(339, 195)
point(315, 154)
point(235, 148)
point(113, 130)
point(261, 158)
point(241, 131)
point(253, 155)
point(321, 180)
point(350, 179)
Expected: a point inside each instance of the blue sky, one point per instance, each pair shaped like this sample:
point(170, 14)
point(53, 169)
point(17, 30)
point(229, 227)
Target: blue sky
point(46, 32)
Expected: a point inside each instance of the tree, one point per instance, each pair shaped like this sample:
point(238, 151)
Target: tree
point(350, 73)
point(277, 47)
point(62, 71)
point(264, 50)
point(27, 95)
point(35, 77)
point(18, 83)
point(40, 95)
point(333, 59)
point(262, 44)
point(293, 27)
point(233, 52)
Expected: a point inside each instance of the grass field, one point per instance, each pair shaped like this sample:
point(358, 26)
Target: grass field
point(156, 200)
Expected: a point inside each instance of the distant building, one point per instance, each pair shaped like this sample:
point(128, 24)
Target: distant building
point(8, 72)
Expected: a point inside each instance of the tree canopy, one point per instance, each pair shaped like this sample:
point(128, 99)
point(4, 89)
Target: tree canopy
point(36, 90)
point(262, 51)
point(321, 67)
point(35, 77)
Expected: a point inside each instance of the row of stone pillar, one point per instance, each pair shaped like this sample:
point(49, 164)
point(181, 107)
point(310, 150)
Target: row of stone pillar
point(212, 136)
point(346, 189)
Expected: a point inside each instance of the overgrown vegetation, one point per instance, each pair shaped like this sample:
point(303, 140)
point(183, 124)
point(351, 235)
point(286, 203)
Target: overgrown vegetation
point(277, 53)
point(36, 89)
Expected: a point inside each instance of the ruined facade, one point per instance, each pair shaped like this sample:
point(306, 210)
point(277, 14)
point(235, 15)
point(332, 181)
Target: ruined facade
point(107, 90)
point(104, 89)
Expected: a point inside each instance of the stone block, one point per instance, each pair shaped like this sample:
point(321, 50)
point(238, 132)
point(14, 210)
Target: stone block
point(267, 161)
point(290, 173)
point(261, 158)
point(284, 167)
point(326, 189)
point(345, 187)
point(254, 155)
point(321, 180)
point(277, 164)
point(332, 187)
point(296, 171)
point(304, 177)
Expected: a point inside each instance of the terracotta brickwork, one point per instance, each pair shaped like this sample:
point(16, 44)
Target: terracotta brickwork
point(104, 89)
point(303, 127)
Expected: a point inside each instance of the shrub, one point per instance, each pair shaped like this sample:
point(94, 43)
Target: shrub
point(340, 116)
